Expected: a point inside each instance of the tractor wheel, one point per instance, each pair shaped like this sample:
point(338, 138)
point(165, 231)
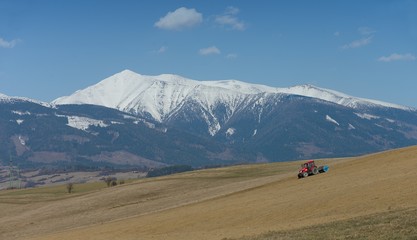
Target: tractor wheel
point(305, 174)
point(315, 171)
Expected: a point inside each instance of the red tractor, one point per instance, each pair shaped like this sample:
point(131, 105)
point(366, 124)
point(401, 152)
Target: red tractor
point(309, 168)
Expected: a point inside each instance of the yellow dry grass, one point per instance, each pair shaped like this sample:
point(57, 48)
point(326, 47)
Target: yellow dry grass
point(217, 203)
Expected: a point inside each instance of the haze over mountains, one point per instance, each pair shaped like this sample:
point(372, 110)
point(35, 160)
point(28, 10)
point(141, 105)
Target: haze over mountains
point(131, 119)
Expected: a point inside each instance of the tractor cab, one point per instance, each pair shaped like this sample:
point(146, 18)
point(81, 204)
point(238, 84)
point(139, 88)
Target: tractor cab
point(309, 168)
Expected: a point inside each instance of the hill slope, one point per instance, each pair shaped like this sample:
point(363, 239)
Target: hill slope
point(217, 203)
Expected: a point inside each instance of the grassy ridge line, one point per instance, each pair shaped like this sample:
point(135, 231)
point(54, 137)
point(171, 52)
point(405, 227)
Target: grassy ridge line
point(393, 224)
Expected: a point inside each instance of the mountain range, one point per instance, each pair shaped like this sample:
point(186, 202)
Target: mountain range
point(130, 119)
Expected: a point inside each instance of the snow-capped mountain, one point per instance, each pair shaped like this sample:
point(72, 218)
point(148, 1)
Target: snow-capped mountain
point(161, 94)
point(131, 119)
point(165, 97)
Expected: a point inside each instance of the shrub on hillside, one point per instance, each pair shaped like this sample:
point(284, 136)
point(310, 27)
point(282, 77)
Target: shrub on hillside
point(110, 181)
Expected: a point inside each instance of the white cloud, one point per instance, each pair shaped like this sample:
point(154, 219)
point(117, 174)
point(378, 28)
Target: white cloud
point(366, 31)
point(209, 51)
point(358, 43)
point(336, 34)
point(180, 19)
point(231, 56)
point(367, 35)
point(162, 49)
point(8, 44)
point(397, 57)
point(229, 19)
point(232, 10)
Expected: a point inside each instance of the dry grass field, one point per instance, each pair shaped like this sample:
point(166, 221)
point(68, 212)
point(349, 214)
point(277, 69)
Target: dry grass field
point(265, 201)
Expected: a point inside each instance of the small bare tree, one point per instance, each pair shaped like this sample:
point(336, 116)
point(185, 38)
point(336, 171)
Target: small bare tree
point(70, 187)
point(113, 183)
point(110, 181)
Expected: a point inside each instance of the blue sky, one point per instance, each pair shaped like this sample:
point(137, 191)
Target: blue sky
point(51, 48)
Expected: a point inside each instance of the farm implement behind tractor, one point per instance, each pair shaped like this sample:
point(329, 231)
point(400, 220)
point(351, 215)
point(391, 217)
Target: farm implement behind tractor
point(309, 168)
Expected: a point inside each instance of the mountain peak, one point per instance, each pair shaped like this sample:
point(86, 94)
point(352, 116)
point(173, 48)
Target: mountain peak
point(125, 74)
point(131, 75)
point(128, 72)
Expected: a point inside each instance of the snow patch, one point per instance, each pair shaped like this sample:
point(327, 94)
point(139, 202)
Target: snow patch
point(328, 118)
point(129, 117)
point(366, 116)
point(22, 141)
point(230, 132)
point(214, 128)
point(21, 113)
point(148, 124)
point(84, 123)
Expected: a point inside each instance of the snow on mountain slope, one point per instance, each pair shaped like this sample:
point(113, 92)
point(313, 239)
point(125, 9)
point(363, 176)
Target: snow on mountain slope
point(5, 98)
point(242, 87)
point(163, 95)
point(160, 96)
point(337, 97)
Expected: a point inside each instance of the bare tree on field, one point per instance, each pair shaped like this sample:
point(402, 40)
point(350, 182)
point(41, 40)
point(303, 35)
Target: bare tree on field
point(110, 181)
point(113, 183)
point(70, 187)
